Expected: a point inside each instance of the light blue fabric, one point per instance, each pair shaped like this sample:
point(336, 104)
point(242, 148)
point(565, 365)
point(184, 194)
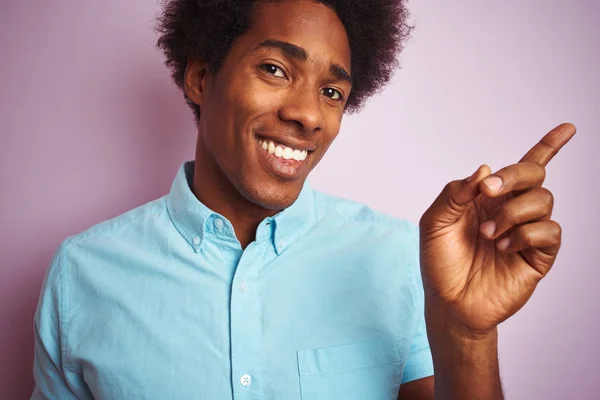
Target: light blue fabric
point(161, 303)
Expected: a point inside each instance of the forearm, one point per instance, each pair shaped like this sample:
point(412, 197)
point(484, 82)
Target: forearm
point(465, 365)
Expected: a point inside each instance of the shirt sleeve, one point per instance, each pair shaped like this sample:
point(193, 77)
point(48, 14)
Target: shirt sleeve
point(419, 363)
point(48, 373)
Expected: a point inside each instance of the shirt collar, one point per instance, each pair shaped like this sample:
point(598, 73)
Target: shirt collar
point(293, 221)
point(194, 220)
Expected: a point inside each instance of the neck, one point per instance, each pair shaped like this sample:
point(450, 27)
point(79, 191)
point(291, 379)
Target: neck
point(214, 189)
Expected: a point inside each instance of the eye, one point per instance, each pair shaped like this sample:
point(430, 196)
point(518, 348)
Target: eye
point(273, 70)
point(333, 94)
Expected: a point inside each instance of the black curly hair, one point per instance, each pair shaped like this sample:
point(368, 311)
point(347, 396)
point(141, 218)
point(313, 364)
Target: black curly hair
point(376, 30)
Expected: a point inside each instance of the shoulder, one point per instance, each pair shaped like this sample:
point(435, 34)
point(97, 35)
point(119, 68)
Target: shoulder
point(110, 252)
point(365, 233)
point(384, 248)
point(360, 215)
point(139, 219)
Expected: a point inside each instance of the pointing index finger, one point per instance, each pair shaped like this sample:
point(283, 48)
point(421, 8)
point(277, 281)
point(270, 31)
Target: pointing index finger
point(550, 144)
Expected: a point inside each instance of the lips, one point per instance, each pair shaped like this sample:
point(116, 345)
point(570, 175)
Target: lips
point(282, 151)
point(283, 167)
point(288, 141)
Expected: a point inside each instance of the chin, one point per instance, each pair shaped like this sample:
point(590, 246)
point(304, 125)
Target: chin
point(276, 197)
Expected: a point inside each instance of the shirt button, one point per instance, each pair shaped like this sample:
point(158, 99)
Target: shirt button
point(243, 287)
point(280, 244)
point(246, 380)
point(196, 240)
point(218, 224)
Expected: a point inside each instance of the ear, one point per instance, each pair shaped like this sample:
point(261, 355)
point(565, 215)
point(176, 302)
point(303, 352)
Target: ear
point(195, 80)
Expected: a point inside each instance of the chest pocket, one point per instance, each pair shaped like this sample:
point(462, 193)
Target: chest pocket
point(364, 370)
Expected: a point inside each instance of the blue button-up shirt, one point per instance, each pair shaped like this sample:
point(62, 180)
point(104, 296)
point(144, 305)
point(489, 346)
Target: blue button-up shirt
point(162, 303)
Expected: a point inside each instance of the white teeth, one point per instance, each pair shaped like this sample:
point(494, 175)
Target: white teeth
point(282, 151)
point(288, 153)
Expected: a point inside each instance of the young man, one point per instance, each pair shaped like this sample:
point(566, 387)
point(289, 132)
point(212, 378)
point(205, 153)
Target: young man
point(244, 283)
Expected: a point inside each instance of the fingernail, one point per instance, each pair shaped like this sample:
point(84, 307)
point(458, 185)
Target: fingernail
point(503, 244)
point(493, 182)
point(488, 228)
point(469, 179)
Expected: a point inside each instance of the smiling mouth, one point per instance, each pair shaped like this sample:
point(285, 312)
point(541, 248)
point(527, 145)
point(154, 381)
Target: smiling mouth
point(283, 161)
point(282, 151)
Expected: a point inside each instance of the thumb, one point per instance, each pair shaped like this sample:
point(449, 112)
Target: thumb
point(452, 202)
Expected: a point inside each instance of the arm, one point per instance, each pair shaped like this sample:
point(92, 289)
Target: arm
point(465, 365)
point(50, 380)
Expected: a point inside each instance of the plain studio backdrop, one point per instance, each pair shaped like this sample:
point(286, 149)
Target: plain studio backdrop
point(91, 126)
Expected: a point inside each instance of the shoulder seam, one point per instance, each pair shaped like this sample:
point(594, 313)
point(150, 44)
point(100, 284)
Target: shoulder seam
point(118, 225)
point(393, 221)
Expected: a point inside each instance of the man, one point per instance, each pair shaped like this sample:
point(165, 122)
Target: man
point(244, 283)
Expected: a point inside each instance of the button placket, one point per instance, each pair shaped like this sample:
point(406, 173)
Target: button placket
point(245, 324)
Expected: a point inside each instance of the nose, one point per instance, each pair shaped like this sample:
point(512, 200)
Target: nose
point(303, 107)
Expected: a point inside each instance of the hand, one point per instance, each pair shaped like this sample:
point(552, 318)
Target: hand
point(487, 240)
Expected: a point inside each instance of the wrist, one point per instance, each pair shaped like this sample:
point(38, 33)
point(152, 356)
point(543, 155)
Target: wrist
point(465, 360)
point(443, 325)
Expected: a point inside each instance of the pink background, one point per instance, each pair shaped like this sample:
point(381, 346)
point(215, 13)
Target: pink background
point(91, 126)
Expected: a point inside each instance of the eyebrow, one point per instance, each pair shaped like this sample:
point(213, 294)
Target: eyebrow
point(298, 53)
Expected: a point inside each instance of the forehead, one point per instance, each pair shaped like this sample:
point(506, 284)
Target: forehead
point(308, 24)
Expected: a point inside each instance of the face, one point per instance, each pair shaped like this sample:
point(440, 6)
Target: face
point(273, 109)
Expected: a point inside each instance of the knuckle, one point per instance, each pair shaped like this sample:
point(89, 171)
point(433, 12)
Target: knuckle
point(542, 172)
point(452, 186)
point(539, 169)
point(449, 190)
point(536, 171)
point(508, 214)
point(527, 240)
point(557, 230)
point(546, 197)
point(509, 175)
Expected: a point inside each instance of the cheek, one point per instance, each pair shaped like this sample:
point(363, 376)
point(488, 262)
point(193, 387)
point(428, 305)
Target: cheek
point(253, 98)
point(333, 124)
point(249, 102)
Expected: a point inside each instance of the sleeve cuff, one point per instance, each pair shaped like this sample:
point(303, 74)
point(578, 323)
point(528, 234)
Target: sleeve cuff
point(420, 366)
